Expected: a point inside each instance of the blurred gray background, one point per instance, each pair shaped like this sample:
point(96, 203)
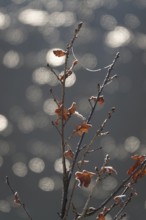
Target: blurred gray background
point(29, 145)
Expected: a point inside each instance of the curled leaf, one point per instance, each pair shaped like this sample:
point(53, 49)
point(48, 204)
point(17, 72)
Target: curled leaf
point(17, 199)
point(59, 110)
point(139, 158)
point(100, 216)
point(141, 172)
point(90, 210)
point(83, 128)
point(84, 177)
point(93, 98)
point(72, 108)
point(66, 113)
point(69, 154)
point(101, 100)
point(109, 170)
point(119, 199)
point(59, 53)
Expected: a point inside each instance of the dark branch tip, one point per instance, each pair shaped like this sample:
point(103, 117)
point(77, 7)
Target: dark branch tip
point(113, 109)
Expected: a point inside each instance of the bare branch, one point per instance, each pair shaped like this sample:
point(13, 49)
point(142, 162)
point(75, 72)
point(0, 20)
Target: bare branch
point(17, 198)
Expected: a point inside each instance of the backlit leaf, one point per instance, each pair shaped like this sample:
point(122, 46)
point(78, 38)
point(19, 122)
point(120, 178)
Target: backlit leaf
point(62, 111)
point(119, 199)
point(100, 100)
point(141, 172)
point(84, 177)
point(93, 98)
point(59, 53)
point(109, 170)
point(83, 128)
point(69, 154)
point(101, 216)
point(72, 108)
point(17, 199)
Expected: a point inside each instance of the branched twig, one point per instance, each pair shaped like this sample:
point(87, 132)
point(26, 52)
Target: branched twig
point(92, 111)
point(99, 131)
point(123, 207)
point(85, 208)
point(135, 172)
point(100, 90)
point(17, 199)
point(65, 174)
point(83, 214)
point(87, 147)
point(118, 189)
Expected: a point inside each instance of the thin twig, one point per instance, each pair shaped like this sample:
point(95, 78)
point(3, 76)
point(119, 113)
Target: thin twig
point(100, 90)
point(91, 113)
point(65, 174)
point(122, 216)
point(53, 71)
point(83, 214)
point(17, 198)
point(99, 131)
point(124, 206)
point(127, 187)
point(118, 189)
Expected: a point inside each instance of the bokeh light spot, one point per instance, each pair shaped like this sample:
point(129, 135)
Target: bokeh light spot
point(3, 123)
point(132, 21)
point(11, 59)
point(141, 41)
point(19, 169)
point(54, 60)
point(109, 183)
point(132, 144)
point(108, 144)
point(34, 93)
point(44, 76)
point(46, 184)
point(5, 206)
point(41, 120)
point(15, 36)
point(108, 22)
point(58, 19)
point(89, 60)
point(119, 37)
point(36, 165)
point(50, 106)
point(4, 21)
point(42, 149)
point(58, 165)
point(4, 147)
point(26, 124)
point(33, 17)
point(70, 80)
